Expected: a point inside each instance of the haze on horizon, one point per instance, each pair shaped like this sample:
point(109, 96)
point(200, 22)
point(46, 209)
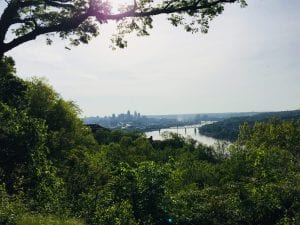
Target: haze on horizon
point(249, 61)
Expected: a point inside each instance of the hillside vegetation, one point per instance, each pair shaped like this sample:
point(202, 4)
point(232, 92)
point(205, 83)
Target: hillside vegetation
point(55, 170)
point(228, 129)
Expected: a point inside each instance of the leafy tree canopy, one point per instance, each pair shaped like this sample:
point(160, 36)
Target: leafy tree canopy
point(12, 89)
point(79, 20)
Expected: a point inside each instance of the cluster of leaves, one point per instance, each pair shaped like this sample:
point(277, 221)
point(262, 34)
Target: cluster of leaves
point(55, 166)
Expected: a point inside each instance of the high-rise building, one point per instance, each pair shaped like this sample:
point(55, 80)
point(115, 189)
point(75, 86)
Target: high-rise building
point(128, 116)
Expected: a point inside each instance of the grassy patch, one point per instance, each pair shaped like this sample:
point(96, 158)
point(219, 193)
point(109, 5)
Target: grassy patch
point(47, 220)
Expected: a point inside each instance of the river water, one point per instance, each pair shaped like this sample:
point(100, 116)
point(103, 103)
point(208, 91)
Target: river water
point(186, 131)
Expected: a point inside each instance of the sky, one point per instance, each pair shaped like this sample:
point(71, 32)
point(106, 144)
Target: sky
point(248, 61)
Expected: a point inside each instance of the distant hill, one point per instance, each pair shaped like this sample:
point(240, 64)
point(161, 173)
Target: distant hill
point(228, 129)
point(203, 116)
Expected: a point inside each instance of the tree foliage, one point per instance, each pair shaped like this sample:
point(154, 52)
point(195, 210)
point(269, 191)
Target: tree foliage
point(13, 91)
point(229, 129)
point(79, 20)
point(53, 166)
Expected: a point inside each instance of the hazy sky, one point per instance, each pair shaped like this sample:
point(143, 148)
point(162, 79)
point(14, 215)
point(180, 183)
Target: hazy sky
point(249, 61)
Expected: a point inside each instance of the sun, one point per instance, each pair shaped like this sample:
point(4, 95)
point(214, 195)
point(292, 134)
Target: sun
point(116, 3)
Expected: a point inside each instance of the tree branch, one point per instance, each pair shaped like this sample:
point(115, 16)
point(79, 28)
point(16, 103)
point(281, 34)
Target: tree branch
point(157, 11)
point(25, 21)
point(65, 26)
point(7, 16)
point(62, 4)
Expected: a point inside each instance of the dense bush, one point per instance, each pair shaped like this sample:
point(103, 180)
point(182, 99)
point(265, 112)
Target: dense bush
point(10, 207)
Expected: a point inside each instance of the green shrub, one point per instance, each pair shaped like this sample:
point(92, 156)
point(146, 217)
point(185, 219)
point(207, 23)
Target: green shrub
point(10, 208)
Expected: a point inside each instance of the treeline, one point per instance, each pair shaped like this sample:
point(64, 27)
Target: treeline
point(55, 170)
point(228, 129)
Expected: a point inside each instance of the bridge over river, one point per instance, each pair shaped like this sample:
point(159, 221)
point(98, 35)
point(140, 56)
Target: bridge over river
point(186, 131)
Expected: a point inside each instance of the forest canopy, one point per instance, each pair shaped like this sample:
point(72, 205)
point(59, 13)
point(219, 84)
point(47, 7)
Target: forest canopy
point(55, 170)
point(228, 129)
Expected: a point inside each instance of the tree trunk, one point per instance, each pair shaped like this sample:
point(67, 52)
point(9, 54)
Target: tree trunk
point(2, 51)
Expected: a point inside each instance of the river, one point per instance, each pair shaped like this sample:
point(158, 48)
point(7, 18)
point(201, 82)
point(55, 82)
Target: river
point(186, 131)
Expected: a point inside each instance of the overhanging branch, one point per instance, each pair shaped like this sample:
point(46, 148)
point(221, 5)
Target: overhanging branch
point(157, 11)
point(10, 16)
point(65, 26)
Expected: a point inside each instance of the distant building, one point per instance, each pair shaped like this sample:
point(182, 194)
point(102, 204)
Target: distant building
point(128, 116)
point(121, 116)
